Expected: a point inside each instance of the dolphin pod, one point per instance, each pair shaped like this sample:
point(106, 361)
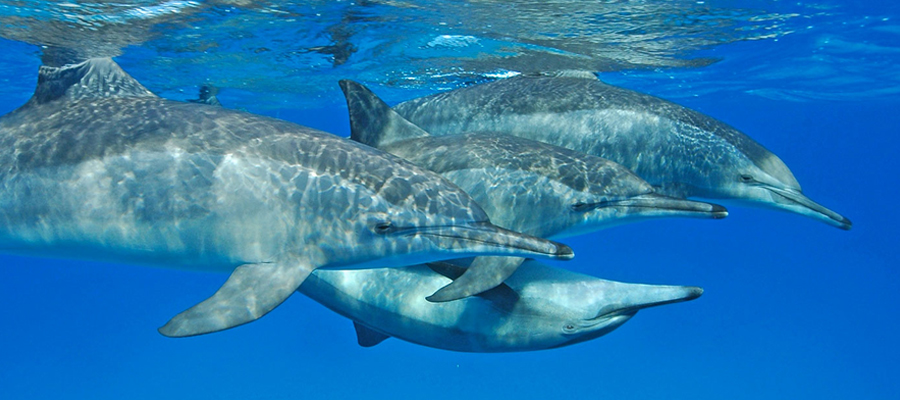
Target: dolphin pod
point(421, 228)
point(96, 167)
point(680, 151)
point(523, 185)
point(539, 307)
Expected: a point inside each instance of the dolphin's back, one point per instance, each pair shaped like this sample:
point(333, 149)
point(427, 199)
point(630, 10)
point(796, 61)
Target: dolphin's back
point(70, 133)
point(160, 181)
point(168, 189)
point(74, 132)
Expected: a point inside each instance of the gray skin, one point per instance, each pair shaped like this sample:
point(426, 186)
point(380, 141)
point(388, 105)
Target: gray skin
point(537, 308)
point(682, 152)
point(523, 185)
point(96, 167)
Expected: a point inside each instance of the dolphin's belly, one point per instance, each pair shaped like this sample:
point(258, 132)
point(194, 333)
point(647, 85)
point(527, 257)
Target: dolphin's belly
point(162, 208)
point(392, 300)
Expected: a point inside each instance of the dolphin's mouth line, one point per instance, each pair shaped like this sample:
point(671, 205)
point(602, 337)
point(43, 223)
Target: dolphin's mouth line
point(559, 250)
point(614, 313)
point(465, 239)
point(647, 203)
point(606, 317)
point(496, 244)
point(414, 230)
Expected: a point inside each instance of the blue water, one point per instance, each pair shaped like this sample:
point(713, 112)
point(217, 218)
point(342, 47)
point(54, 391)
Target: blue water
point(792, 308)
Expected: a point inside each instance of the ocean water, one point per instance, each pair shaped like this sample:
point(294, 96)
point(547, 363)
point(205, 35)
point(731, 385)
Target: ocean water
point(792, 308)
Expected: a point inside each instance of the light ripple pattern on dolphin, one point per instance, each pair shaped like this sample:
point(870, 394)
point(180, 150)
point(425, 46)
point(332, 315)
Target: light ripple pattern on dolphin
point(96, 167)
point(682, 152)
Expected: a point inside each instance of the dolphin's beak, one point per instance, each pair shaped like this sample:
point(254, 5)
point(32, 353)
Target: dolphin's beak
point(656, 205)
point(488, 239)
point(638, 296)
point(795, 201)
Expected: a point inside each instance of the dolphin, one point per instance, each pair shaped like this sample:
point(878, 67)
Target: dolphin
point(94, 166)
point(523, 185)
point(682, 152)
point(538, 307)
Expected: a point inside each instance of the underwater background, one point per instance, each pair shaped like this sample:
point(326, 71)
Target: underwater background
point(792, 308)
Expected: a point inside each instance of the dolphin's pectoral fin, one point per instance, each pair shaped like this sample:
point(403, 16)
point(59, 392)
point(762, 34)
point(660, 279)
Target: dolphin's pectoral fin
point(250, 292)
point(366, 337)
point(503, 297)
point(483, 274)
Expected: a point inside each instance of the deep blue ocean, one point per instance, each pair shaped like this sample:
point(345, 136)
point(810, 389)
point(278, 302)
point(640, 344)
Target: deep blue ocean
point(792, 308)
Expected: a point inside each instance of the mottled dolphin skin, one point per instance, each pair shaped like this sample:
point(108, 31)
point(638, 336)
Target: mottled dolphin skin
point(96, 167)
point(523, 185)
point(538, 307)
point(682, 152)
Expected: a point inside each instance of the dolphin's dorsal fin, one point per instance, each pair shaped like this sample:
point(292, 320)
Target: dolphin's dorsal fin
point(571, 73)
point(93, 78)
point(503, 296)
point(372, 122)
point(366, 337)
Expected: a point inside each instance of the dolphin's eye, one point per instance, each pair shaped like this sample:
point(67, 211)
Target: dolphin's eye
point(384, 227)
point(746, 178)
point(580, 207)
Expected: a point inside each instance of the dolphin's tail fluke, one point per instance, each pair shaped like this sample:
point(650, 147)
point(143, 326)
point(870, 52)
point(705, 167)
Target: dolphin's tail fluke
point(372, 122)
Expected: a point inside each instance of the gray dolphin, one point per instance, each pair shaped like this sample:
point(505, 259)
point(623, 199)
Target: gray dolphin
point(523, 185)
point(96, 167)
point(538, 307)
point(681, 151)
